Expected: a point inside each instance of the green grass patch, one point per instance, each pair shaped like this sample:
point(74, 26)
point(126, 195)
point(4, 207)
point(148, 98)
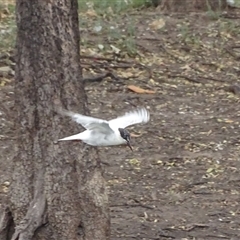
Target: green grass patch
point(7, 27)
point(117, 6)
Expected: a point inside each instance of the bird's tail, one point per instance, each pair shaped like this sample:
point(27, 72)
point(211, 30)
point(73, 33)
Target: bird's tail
point(71, 138)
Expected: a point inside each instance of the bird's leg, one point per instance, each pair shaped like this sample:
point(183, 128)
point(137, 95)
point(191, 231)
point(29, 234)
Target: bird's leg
point(98, 158)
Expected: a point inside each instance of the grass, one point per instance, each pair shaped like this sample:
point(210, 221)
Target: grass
point(115, 5)
point(215, 15)
point(107, 11)
point(7, 27)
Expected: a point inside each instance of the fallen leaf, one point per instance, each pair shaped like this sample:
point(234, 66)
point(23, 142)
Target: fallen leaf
point(115, 49)
point(97, 28)
point(134, 161)
point(91, 13)
point(186, 67)
point(209, 170)
point(135, 135)
point(139, 90)
point(109, 10)
point(127, 74)
point(157, 24)
point(100, 46)
point(5, 70)
point(228, 121)
point(4, 81)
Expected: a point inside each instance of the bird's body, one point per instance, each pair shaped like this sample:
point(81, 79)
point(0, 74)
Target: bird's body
point(106, 133)
point(96, 138)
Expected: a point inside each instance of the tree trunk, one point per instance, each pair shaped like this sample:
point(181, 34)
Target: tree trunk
point(192, 5)
point(57, 190)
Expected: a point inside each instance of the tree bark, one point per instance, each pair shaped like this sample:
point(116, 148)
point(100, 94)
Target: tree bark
point(57, 190)
point(192, 5)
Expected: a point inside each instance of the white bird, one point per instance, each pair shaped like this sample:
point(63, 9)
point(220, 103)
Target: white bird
point(100, 132)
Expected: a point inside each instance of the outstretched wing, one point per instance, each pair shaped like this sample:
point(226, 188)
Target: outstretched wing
point(87, 122)
point(140, 115)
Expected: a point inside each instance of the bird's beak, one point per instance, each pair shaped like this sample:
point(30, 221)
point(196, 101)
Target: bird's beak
point(129, 145)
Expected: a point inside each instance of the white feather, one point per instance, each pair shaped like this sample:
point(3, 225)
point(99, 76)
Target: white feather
point(100, 132)
point(140, 115)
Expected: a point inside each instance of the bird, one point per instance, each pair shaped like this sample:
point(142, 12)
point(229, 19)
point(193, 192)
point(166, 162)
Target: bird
point(99, 132)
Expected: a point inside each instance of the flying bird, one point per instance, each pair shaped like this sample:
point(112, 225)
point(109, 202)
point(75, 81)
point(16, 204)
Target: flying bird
point(101, 132)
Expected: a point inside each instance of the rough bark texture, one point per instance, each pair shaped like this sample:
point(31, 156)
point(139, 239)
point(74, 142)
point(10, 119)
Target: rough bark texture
point(57, 190)
point(192, 5)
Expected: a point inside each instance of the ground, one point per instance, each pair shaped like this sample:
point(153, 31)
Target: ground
point(182, 180)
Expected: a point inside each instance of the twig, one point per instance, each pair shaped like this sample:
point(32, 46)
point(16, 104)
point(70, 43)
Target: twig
point(149, 39)
point(230, 49)
point(100, 78)
point(142, 205)
point(190, 79)
point(98, 58)
point(231, 16)
point(212, 79)
point(133, 205)
point(185, 77)
point(172, 55)
point(125, 64)
point(235, 89)
point(190, 227)
point(217, 236)
point(139, 204)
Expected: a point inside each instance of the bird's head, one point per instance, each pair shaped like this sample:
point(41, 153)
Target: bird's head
point(126, 136)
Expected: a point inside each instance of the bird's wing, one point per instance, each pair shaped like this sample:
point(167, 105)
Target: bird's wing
point(87, 122)
point(140, 115)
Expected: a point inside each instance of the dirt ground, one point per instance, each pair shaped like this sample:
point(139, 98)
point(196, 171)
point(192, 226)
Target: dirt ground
point(182, 180)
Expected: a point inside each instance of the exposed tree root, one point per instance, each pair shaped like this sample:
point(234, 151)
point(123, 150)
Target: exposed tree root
point(35, 217)
point(36, 214)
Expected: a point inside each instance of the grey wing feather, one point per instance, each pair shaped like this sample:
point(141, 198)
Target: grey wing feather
point(87, 122)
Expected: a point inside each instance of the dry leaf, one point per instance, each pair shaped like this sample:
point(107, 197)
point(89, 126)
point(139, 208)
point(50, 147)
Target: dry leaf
point(186, 67)
point(127, 74)
point(115, 49)
point(4, 81)
point(157, 24)
point(228, 121)
point(139, 90)
point(135, 135)
point(109, 10)
point(91, 13)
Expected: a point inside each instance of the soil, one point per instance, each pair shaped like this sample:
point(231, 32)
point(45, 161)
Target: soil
point(182, 180)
